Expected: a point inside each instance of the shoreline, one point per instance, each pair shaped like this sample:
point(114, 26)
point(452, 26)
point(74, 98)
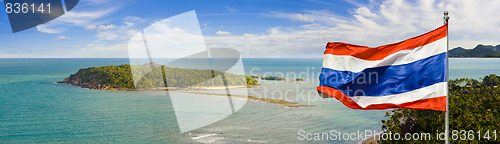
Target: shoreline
point(158, 88)
point(272, 101)
point(282, 103)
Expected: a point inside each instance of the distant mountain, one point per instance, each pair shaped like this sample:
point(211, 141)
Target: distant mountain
point(479, 51)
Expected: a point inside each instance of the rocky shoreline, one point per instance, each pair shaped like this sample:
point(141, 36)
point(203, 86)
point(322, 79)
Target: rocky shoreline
point(92, 84)
point(267, 100)
point(121, 78)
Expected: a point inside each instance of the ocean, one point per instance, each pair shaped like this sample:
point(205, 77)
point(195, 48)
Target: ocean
point(36, 109)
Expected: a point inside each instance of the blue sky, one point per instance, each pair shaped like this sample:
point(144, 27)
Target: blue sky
point(256, 28)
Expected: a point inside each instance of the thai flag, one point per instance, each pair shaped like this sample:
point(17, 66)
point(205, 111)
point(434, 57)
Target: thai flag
point(408, 74)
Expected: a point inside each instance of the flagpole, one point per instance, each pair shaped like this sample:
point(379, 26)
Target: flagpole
point(447, 117)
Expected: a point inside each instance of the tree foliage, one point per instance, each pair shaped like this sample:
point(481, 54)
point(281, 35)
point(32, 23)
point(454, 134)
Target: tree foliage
point(154, 76)
point(474, 105)
point(273, 78)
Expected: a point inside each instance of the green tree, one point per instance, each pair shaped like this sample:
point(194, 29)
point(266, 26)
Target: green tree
point(474, 105)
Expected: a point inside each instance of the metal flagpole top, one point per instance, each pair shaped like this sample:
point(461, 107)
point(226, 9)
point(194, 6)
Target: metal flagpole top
point(446, 17)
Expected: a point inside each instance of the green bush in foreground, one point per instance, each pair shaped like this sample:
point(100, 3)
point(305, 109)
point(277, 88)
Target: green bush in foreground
point(474, 105)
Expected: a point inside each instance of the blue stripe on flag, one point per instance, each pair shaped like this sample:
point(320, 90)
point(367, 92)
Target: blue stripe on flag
point(391, 80)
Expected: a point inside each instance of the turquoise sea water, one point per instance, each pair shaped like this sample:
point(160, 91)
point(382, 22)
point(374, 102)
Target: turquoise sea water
point(33, 108)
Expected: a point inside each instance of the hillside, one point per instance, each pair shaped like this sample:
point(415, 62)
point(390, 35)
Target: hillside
point(478, 51)
point(474, 105)
point(151, 77)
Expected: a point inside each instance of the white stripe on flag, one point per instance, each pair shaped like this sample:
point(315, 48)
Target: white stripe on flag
point(353, 64)
point(432, 91)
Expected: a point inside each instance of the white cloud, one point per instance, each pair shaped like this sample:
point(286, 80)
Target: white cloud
point(90, 27)
point(322, 16)
point(231, 9)
point(62, 38)
point(110, 43)
point(301, 17)
point(94, 50)
point(373, 24)
point(105, 27)
point(100, 27)
point(86, 13)
point(133, 19)
point(108, 35)
point(101, 49)
point(364, 11)
point(83, 18)
point(223, 33)
point(248, 35)
point(294, 16)
point(48, 29)
point(120, 32)
point(72, 18)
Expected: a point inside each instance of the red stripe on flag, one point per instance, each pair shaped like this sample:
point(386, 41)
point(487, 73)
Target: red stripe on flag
point(437, 103)
point(378, 53)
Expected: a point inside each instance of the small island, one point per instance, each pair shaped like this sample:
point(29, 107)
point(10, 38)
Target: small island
point(269, 78)
point(275, 78)
point(159, 77)
point(153, 77)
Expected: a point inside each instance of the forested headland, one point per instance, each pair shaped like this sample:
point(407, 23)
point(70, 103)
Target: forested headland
point(153, 76)
point(474, 107)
